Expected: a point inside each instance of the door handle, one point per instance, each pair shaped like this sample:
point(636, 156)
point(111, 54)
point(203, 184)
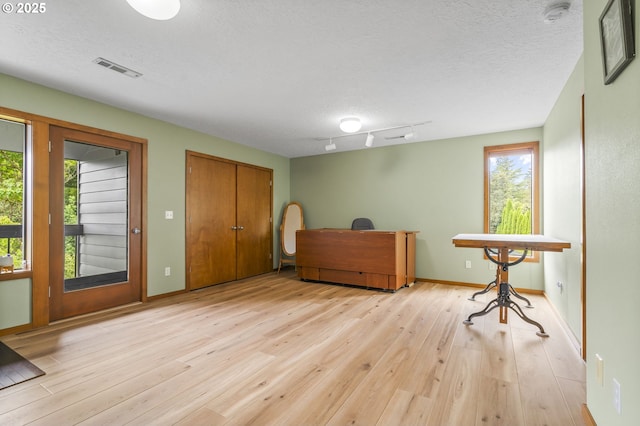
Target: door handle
point(234, 228)
point(240, 228)
point(136, 230)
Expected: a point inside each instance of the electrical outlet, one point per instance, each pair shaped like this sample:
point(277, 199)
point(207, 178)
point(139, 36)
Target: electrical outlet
point(617, 399)
point(168, 214)
point(167, 271)
point(467, 264)
point(599, 370)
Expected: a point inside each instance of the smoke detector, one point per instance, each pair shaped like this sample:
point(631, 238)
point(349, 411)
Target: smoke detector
point(555, 11)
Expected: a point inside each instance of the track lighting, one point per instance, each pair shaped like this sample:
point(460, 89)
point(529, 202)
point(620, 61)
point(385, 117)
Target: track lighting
point(369, 142)
point(350, 124)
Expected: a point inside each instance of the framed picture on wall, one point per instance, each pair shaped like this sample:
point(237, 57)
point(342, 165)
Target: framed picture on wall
point(616, 38)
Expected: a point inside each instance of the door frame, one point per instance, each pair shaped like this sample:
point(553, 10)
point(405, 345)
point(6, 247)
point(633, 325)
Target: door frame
point(38, 149)
point(583, 254)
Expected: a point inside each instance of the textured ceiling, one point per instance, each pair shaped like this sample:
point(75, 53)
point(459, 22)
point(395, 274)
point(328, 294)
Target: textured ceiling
point(279, 74)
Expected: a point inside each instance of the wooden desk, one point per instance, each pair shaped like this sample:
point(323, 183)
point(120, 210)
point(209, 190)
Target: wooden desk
point(372, 258)
point(498, 247)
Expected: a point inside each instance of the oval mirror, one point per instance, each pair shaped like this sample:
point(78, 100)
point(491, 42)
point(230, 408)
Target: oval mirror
point(292, 220)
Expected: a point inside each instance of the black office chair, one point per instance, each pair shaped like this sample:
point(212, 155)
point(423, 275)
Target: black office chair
point(361, 223)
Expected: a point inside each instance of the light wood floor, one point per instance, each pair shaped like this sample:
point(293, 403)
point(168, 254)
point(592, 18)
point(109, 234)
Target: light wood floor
point(275, 350)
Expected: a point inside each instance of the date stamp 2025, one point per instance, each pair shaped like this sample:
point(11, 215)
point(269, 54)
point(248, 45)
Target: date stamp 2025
point(24, 8)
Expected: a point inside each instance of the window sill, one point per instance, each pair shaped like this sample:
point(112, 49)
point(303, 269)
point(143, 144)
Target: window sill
point(16, 275)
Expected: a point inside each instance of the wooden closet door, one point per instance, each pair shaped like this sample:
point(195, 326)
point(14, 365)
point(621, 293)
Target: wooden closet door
point(211, 218)
point(254, 221)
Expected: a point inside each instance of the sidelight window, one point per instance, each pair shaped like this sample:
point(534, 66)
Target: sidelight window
point(12, 193)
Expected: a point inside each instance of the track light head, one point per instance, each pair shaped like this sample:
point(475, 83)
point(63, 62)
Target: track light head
point(369, 142)
point(331, 146)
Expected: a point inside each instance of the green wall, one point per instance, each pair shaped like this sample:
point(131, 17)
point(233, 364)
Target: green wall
point(434, 187)
point(612, 206)
point(166, 179)
point(15, 303)
point(562, 185)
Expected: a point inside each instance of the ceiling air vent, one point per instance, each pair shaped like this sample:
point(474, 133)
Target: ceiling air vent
point(118, 68)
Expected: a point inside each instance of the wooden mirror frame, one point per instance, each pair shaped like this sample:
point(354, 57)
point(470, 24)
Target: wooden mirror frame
point(292, 220)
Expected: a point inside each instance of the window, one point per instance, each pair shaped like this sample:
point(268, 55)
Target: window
point(71, 246)
point(511, 189)
point(12, 184)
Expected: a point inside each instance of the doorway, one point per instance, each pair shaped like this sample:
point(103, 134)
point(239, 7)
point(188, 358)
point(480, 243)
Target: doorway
point(96, 219)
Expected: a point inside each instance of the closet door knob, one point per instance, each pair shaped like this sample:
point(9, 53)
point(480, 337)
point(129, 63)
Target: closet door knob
point(234, 228)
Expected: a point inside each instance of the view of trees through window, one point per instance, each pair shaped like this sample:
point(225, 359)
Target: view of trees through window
point(511, 189)
point(70, 217)
point(11, 205)
point(12, 190)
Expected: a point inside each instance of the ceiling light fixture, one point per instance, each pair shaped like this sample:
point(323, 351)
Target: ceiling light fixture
point(160, 10)
point(369, 142)
point(350, 124)
point(331, 146)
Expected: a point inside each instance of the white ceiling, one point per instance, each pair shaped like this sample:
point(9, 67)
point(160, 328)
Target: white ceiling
point(279, 74)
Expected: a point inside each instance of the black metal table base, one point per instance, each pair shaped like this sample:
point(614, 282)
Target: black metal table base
point(512, 290)
point(503, 299)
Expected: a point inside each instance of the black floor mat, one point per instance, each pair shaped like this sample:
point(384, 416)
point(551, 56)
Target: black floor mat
point(14, 368)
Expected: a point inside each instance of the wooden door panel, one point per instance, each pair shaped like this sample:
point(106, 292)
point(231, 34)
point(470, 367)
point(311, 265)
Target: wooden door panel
point(211, 241)
point(254, 216)
point(94, 291)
